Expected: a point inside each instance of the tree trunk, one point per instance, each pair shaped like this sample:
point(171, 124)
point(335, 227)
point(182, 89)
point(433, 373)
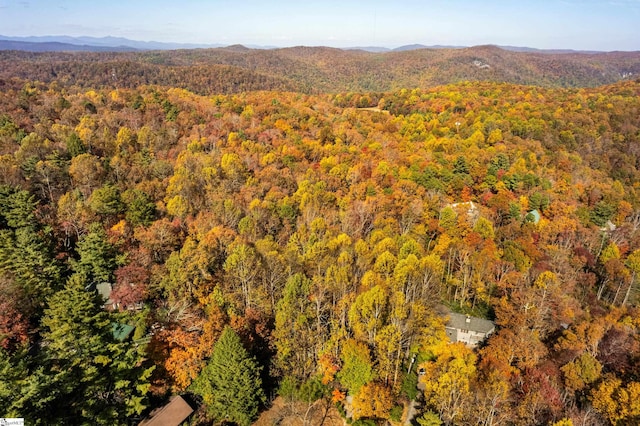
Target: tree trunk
point(626, 296)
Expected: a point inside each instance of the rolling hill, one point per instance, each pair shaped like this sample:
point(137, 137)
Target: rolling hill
point(318, 69)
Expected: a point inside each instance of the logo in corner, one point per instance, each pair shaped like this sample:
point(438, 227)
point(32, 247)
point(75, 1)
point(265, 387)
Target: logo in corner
point(11, 421)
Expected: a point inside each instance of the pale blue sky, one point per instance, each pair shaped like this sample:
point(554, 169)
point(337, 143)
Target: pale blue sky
point(570, 24)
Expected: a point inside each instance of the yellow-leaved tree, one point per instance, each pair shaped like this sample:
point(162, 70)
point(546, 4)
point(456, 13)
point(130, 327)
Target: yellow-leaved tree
point(374, 400)
point(447, 379)
point(617, 402)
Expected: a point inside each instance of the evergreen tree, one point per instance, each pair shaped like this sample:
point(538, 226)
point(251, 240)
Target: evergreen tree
point(27, 389)
point(75, 146)
point(97, 259)
point(12, 373)
point(106, 201)
point(27, 258)
point(17, 207)
point(230, 384)
point(98, 380)
point(140, 207)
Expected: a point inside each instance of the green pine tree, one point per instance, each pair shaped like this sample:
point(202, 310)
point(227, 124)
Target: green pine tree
point(17, 207)
point(13, 371)
point(28, 389)
point(27, 258)
point(140, 207)
point(75, 146)
point(106, 201)
point(230, 384)
point(97, 257)
point(98, 379)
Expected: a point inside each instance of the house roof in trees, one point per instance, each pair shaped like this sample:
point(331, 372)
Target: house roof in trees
point(608, 227)
point(536, 216)
point(121, 331)
point(468, 207)
point(466, 322)
point(104, 290)
point(172, 414)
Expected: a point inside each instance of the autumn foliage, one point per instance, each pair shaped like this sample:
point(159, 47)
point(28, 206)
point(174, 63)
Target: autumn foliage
point(329, 239)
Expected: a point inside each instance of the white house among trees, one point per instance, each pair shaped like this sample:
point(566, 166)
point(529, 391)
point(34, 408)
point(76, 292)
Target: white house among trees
point(467, 329)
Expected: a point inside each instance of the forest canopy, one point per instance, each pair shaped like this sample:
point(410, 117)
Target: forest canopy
point(318, 238)
point(317, 70)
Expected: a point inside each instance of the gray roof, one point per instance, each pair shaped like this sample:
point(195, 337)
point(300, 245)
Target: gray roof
point(104, 290)
point(459, 321)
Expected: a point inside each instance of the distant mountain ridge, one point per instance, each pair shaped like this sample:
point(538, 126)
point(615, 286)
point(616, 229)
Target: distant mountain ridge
point(109, 43)
point(55, 46)
point(405, 48)
point(238, 68)
point(120, 44)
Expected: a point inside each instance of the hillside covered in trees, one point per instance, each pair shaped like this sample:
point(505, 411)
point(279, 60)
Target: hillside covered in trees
point(274, 243)
point(315, 70)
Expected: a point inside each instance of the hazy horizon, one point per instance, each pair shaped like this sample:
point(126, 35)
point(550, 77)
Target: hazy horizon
point(568, 24)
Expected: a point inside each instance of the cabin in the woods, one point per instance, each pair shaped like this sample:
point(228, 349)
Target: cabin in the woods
point(121, 332)
point(104, 290)
point(467, 208)
point(533, 216)
point(172, 414)
point(608, 227)
point(467, 329)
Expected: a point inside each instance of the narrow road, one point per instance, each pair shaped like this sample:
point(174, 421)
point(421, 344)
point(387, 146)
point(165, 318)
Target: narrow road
point(411, 412)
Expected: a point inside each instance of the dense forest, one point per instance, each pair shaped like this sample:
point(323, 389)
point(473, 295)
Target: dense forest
point(280, 246)
point(317, 70)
